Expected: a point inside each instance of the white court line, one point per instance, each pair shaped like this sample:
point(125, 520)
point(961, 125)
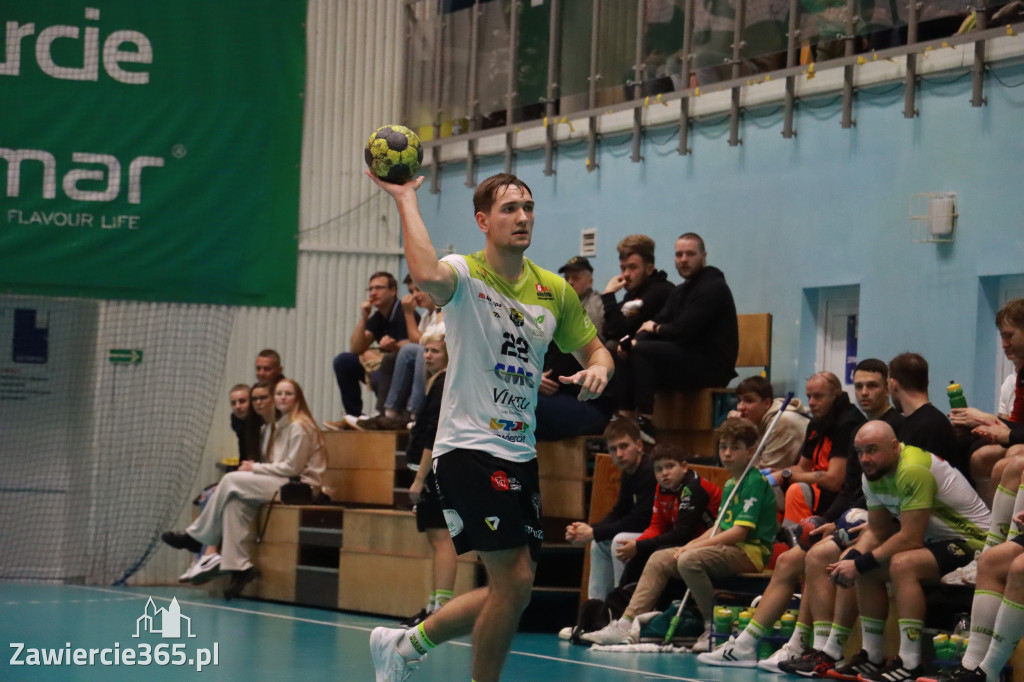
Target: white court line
point(645, 674)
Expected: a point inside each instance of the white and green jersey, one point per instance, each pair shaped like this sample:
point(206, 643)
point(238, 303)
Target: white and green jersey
point(497, 333)
point(923, 481)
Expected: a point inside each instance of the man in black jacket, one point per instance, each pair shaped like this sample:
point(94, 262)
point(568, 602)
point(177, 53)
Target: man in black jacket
point(630, 515)
point(647, 289)
point(691, 343)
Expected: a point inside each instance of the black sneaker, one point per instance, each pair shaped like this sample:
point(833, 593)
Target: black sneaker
point(812, 664)
point(179, 539)
point(957, 674)
point(239, 579)
point(894, 671)
point(858, 665)
point(646, 430)
point(413, 621)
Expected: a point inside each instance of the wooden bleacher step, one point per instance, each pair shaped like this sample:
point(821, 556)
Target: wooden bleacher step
point(385, 564)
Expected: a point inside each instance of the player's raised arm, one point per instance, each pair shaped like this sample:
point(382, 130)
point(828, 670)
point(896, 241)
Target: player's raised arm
point(430, 274)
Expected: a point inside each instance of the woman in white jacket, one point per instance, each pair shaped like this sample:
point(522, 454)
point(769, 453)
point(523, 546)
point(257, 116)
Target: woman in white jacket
point(293, 447)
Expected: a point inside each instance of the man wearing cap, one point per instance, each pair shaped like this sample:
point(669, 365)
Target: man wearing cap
point(579, 273)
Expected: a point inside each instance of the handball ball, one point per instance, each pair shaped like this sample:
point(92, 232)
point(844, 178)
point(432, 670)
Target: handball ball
point(849, 519)
point(393, 153)
point(804, 528)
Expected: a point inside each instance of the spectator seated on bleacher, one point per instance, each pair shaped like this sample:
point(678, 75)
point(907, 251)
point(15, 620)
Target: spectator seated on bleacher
point(293, 447)
point(756, 402)
point(560, 412)
point(988, 455)
point(812, 485)
point(741, 542)
point(647, 290)
point(924, 425)
point(579, 273)
point(628, 518)
point(691, 343)
point(406, 394)
point(924, 520)
point(382, 321)
point(685, 506)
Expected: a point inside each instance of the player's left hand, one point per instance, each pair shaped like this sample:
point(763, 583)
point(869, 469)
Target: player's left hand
point(592, 381)
point(843, 573)
point(246, 465)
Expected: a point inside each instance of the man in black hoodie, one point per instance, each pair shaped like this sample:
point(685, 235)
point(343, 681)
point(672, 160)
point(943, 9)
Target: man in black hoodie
point(691, 343)
point(647, 289)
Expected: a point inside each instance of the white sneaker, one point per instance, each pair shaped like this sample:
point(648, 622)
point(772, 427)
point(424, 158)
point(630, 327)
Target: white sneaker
point(565, 633)
point(387, 662)
point(969, 573)
point(730, 655)
point(206, 569)
point(965, 575)
point(351, 421)
point(613, 633)
point(787, 652)
point(703, 643)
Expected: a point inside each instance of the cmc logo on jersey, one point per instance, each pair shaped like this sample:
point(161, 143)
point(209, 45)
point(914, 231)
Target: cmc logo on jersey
point(513, 374)
point(512, 431)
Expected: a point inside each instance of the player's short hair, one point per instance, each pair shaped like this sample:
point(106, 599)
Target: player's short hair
point(695, 237)
point(1011, 313)
point(640, 244)
point(487, 191)
point(910, 370)
point(272, 354)
point(392, 282)
point(622, 428)
point(669, 451)
point(240, 387)
point(873, 365)
point(756, 384)
point(737, 430)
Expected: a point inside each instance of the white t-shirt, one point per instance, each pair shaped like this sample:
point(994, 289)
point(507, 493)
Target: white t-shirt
point(1006, 394)
point(497, 333)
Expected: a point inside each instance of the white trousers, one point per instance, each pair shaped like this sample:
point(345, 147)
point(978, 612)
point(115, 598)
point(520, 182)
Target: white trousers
point(605, 568)
point(228, 515)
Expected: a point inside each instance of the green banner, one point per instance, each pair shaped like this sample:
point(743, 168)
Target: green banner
point(150, 150)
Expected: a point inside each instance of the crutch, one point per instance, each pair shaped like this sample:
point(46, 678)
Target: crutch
point(674, 624)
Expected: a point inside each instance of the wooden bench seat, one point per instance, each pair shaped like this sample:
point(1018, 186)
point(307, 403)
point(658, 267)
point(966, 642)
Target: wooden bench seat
point(385, 564)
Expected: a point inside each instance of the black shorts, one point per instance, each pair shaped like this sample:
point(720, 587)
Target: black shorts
point(950, 554)
point(428, 509)
point(490, 504)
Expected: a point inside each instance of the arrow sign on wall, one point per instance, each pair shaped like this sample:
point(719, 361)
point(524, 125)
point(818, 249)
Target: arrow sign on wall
point(125, 356)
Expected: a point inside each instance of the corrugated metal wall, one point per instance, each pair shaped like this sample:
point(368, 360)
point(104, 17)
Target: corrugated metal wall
point(348, 228)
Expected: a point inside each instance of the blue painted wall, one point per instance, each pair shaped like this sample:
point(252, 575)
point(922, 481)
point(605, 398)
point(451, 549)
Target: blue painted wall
point(827, 208)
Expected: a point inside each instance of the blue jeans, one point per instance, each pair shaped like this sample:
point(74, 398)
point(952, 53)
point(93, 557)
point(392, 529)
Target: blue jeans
point(409, 380)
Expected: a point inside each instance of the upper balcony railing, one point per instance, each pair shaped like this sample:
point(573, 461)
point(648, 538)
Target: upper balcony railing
point(475, 65)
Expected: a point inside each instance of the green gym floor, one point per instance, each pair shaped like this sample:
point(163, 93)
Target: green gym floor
point(256, 641)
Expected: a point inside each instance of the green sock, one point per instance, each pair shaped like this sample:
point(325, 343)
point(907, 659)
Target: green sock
point(442, 597)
